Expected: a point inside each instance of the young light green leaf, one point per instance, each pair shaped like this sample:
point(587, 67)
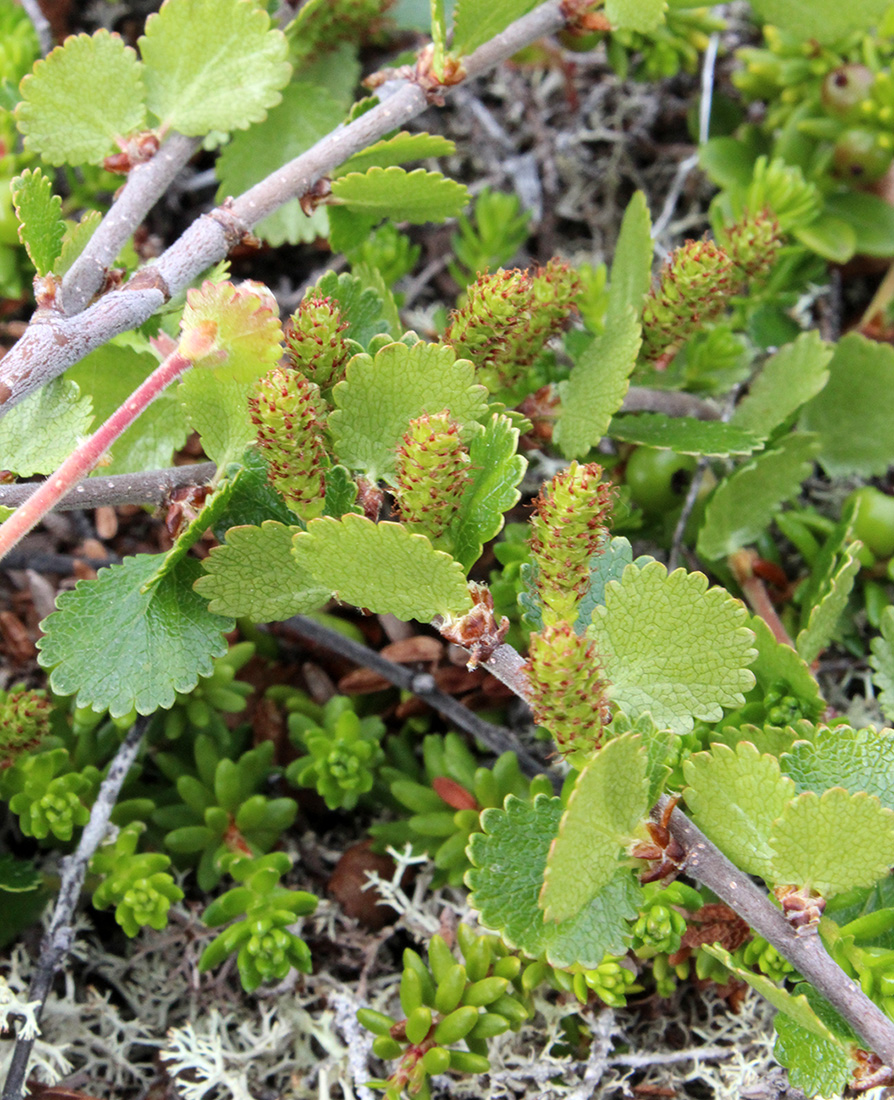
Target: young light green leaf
point(477, 21)
point(306, 114)
point(83, 97)
point(636, 15)
point(631, 274)
point(794, 1006)
point(39, 211)
point(253, 500)
point(496, 470)
point(77, 234)
point(672, 646)
point(119, 647)
point(234, 329)
point(508, 864)
point(254, 575)
point(776, 661)
point(824, 20)
point(224, 79)
point(360, 306)
point(110, 374)
point(817, 1067)
point(824, 614)
point(734, 796)
point(218, 410)
point(858, 760)
point(341, 493)
point(743, 506)
point(416, 197)
point(870, 218)
point(854, 412)
point(792, 376)
point(379, 397)
point(397, 150)
point(37, 435)
point(597, 385)
point(609, 800)
point(832, 842)
point(882, 661)
point(683, 434)
point(382, 567)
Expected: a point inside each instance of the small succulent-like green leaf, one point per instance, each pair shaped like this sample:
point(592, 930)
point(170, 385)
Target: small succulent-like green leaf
point(683, 434)
point(643, 16)
point(609, 800)
point(743, 506)
point(477, 21)
point(397, 149)
point(832, 842)
point(81, 98)
point(223, 79)
point(735, 795)
point(379, 397)
point(858, 760)
point(255, 575)
point(41, 227)
point(853, 413)
point(599, 380)
point(383, 567)
point(306, 114)
point(508, 863)
point(416, 197)
point(882, 661)
point(824, 20)
point(824, 614)
point(496, 470)
point(121, 648)
point(37, 435)
point(672, 646)
point(792, 376)
point(109, 375)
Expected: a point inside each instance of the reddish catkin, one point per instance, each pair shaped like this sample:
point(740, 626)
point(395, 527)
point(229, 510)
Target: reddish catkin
point(569, 524)
point(285, 412)
point(568, 695)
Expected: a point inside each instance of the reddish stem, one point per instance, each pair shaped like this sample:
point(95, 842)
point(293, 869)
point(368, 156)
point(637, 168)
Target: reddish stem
point(78, 464)
point(742, 565)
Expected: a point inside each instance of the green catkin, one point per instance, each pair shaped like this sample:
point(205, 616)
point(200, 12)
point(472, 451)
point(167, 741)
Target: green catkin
point(285, 412)
point(432, 474)
point(752, 244)
point(315, 346)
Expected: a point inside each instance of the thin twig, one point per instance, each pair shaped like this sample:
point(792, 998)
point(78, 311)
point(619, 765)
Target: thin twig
point(53, 342)
point(669, 402)
point(708, 865)
point(496, 738)
point(58, 939)
point(116, 489)
point(41, 25)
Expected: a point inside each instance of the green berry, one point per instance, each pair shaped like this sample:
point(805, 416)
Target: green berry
point(874, 520)
point(859, 155)
point(658, 479)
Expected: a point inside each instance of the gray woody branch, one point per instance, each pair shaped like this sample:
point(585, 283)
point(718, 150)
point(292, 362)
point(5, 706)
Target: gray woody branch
point(54, 342)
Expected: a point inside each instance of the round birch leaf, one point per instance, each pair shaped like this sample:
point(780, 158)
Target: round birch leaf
point(39, 434)
point(121, 647)
point(416, 197)
point(734, 796)
point(255, 575)
point(379, 397)
point(672, 646)
point(610, 798)
point(832, 842)
point(382, 567)
point(222, 79)
point(858, 760)
point(81, 98)
point(508, 863)
point(41, 227)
